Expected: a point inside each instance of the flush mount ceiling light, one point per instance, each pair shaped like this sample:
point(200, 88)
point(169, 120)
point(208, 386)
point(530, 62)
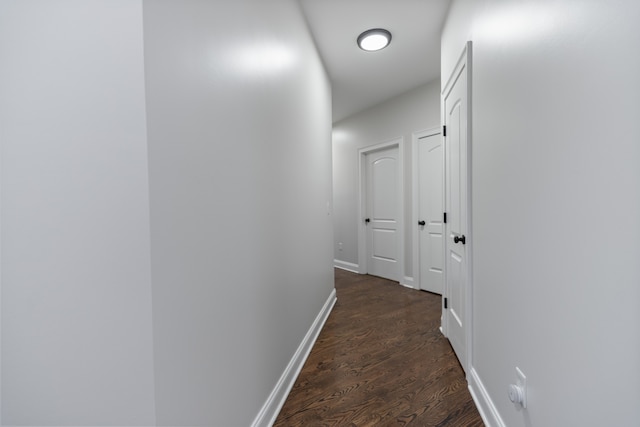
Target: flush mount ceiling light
point(374, 39)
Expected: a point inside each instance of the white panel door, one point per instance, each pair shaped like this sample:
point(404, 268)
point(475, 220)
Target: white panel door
point(430, 212)
point(382, 213)
point(456, 205)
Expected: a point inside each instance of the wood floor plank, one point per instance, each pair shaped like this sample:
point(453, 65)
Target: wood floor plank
point(380, 360)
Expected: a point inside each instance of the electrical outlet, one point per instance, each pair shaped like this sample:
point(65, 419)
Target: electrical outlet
point(340, 246)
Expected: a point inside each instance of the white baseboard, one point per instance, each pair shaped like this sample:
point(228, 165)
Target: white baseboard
point(408, 282)
point(271, 408)
point(354, 268)
point(487, 409)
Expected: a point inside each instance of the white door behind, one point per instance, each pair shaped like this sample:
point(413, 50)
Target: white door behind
point(456, 229)
point(430, 212)
point(382, 213)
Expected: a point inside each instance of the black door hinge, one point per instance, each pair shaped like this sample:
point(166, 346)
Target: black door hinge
point(445, 303)
point(444, 130)
point(445, 217)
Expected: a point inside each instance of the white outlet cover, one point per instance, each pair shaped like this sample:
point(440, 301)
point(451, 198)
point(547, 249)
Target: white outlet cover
point(521, 381)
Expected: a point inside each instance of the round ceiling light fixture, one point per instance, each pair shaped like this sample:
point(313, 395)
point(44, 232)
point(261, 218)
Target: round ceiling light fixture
point(374, 39)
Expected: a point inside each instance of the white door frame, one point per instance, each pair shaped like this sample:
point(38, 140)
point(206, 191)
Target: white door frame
point(415, 179)
point(465, 59)
point(362, 205)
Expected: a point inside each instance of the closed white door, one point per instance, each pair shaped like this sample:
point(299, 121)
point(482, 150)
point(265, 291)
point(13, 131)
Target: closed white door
point(382, 213)
point(430, 212)
point(455, 105)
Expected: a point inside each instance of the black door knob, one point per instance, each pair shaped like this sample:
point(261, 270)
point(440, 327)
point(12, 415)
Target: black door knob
point(421, 223)
point(367, 220)
point(460, 239)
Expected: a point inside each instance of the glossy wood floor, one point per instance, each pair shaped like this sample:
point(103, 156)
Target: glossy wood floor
point(380, 360)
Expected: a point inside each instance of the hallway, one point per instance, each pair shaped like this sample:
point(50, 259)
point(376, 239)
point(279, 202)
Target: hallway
point(380, 360)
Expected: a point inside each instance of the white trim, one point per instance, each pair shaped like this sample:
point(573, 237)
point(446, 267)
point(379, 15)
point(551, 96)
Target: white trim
point(471, 245)
point(344, 265)
point(271, 408)
point(362, 207)
point(408, 282)
point(415, 178)
point(488, 411)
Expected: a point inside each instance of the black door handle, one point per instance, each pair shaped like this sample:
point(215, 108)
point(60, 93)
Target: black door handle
point(421, 223)
point(367, 220)
point(460, 239)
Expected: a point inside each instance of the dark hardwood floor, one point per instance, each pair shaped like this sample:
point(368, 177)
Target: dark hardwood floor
point(380, 360)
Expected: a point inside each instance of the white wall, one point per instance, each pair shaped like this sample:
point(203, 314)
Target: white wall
point(556, 204)
point(168, 278)
point(239, 123)
point(400, 116)
point(76, 286)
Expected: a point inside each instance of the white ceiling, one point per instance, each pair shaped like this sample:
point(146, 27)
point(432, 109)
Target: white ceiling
point(362, 79)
